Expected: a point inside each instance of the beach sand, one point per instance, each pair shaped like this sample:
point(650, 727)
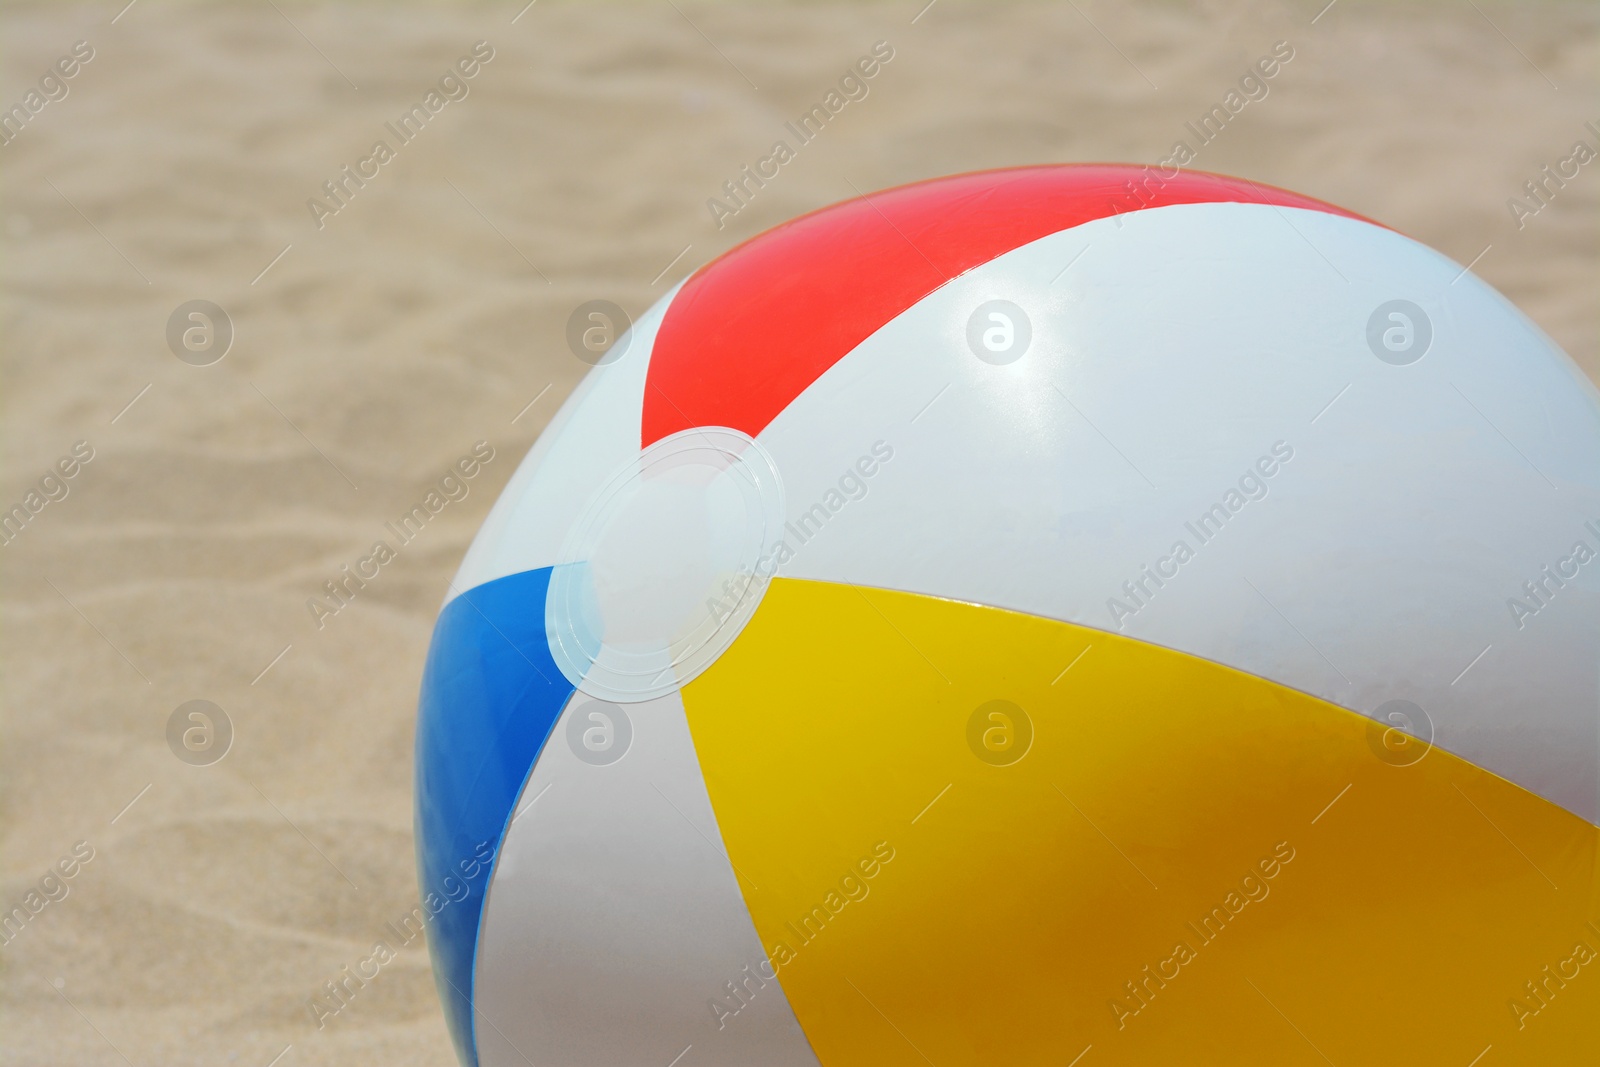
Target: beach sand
point(428, 313)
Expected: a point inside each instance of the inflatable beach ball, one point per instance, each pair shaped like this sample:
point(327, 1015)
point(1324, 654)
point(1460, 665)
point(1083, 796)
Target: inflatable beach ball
point(1063, 615)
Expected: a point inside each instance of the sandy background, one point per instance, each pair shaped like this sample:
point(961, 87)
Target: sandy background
point(430, 311)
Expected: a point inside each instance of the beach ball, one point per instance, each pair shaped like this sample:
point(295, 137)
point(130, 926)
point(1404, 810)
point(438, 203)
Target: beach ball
point(1075, 615)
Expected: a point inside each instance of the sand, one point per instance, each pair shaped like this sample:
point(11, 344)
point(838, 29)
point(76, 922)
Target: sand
point(428, 314)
